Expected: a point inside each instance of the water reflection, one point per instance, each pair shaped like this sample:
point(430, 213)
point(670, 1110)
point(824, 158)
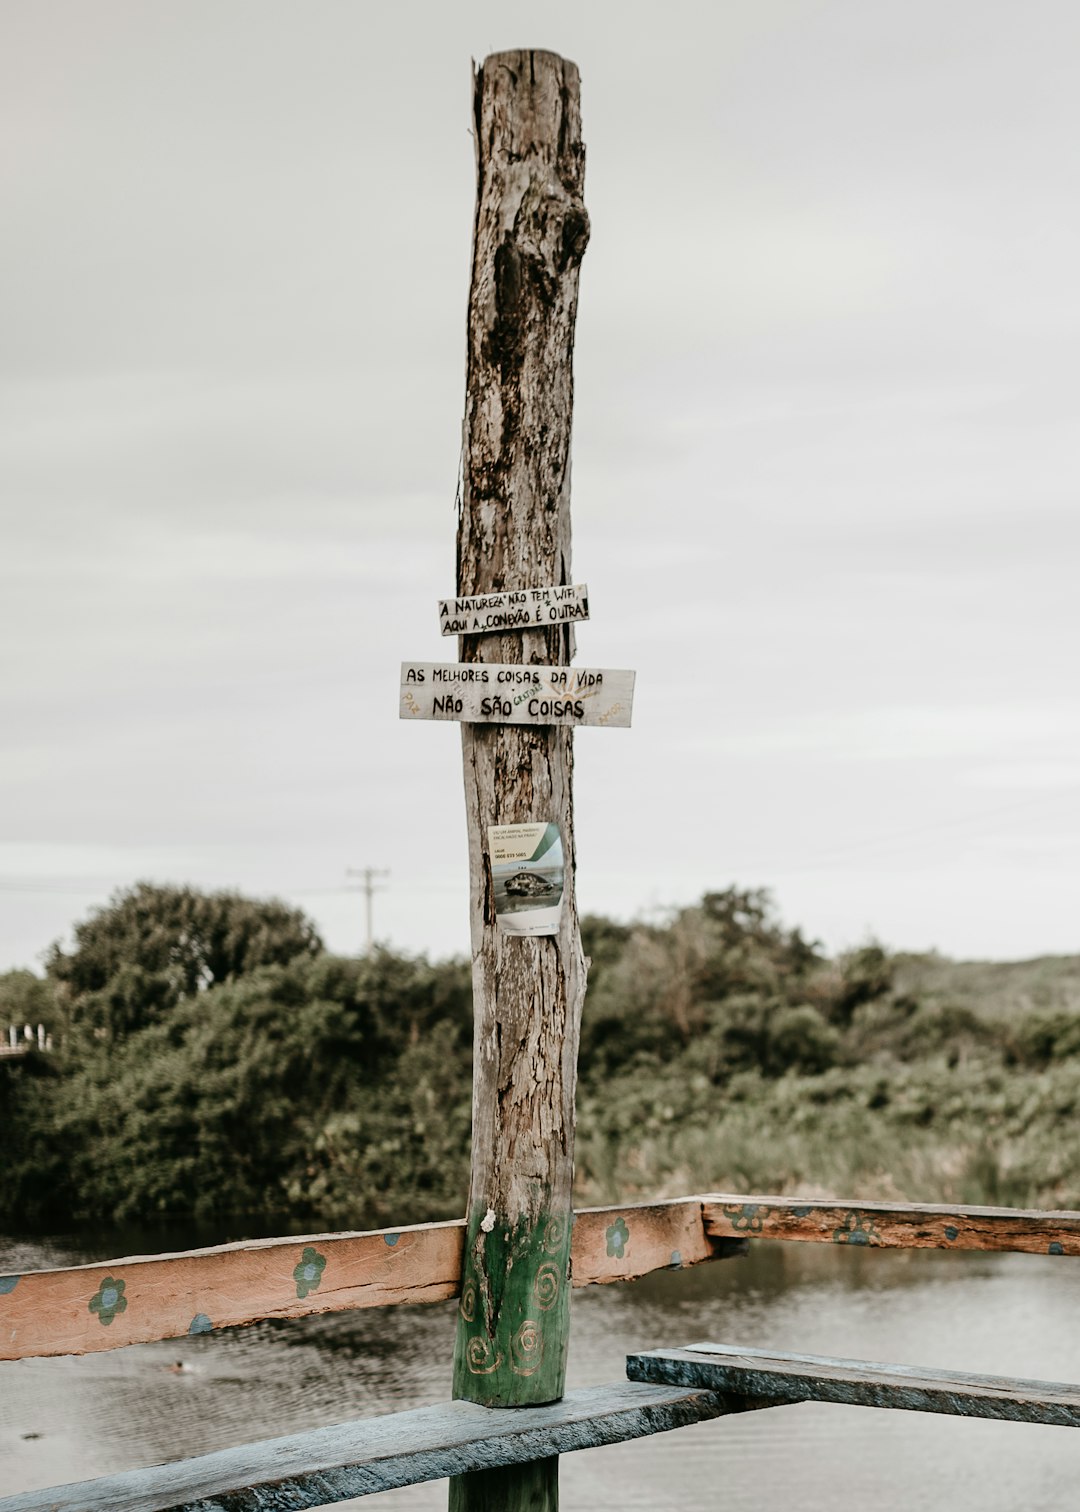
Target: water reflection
point(1009, 1314)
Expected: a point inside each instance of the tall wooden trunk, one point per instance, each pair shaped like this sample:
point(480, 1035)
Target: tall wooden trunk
point(514, 532)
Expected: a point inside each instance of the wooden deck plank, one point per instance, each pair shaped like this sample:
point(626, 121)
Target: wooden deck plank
point(860, 1383)
point(328, 1465)
point(892, 1225)
point(77, 1310)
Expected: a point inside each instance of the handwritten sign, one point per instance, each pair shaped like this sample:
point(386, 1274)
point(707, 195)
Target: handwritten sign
point(493, 693)
point(525, 609)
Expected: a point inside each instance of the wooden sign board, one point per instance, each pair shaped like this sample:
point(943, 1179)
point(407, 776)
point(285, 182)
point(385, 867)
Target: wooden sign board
point(494, 693)
point(525, 609)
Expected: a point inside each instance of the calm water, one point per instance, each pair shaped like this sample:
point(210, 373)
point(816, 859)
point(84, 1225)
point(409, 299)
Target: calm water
point(1011, 1314)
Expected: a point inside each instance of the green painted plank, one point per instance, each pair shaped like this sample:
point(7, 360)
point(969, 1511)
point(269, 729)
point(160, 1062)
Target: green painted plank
point(327, 1465)
point(786, 1378)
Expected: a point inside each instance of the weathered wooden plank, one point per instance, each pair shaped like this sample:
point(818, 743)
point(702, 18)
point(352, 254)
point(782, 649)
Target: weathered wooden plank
point(620, 1243)
point(129, 1301)
point(907, 1225)
point(167, 1296)
point(505, 693)
point(524, 609)
point(327, 1465)
point(858, 1383)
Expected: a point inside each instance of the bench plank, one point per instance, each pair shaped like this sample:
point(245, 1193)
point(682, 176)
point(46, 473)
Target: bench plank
point(858, 1383)
point(327, 1465)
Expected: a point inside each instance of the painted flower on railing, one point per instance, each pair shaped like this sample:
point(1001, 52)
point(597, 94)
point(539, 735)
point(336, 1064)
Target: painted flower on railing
point(108, 1300)
point(308, 1272)
point(618, 1237)
point(857, 1228)
point(746, 1217)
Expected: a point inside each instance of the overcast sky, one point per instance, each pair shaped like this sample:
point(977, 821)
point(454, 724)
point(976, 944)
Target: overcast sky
point(826, 460)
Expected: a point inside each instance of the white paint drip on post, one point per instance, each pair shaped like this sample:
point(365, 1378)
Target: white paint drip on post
point(524, 609)
point(499, 693)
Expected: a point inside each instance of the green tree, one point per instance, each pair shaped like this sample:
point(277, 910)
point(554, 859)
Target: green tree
point(153, 947)
point(326, 1087)
point(854, 979)
point(664, 986)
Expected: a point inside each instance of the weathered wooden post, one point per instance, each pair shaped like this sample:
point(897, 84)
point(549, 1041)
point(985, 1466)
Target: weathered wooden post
point(513, 533)
point(519, 699)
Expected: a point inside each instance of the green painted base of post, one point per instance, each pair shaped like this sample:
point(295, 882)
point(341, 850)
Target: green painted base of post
point(514, 1488)
point(514, 1313)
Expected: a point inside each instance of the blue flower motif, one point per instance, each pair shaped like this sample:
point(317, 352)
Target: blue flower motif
point(308, 1272)
point(108, 1300)
point(618, 1237)
point(746, 1217)
point(857, 1228)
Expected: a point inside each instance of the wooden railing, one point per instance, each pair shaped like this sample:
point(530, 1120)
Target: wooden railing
point(131, 1301)
point(110, 1304)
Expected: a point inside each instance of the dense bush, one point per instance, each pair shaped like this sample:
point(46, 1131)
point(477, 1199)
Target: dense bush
point(320, 1086)
point(1045, 1037)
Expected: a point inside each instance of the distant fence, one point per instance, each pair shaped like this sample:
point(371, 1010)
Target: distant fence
point(19, 1041)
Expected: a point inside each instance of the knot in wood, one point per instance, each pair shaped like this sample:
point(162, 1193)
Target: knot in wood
point(507, 280)
point(575, 235)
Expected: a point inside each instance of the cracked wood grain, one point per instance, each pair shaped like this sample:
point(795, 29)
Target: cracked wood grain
point(892, 1225)
point(529, 236)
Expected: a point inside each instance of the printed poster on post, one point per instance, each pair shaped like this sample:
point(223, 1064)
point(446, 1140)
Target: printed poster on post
point(528, 874)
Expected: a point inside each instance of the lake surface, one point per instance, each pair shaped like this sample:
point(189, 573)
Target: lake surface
point(68, 1419)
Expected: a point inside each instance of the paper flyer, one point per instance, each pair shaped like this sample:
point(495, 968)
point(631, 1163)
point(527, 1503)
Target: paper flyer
point(527, 873)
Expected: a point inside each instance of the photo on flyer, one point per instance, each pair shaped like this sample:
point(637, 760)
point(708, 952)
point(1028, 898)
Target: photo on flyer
point(528, 875)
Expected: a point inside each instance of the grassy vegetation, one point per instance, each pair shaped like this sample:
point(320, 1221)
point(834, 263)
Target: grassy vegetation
point(213, 1061)
point(869, 1076)
point(1000, 991)
point(926, 1131)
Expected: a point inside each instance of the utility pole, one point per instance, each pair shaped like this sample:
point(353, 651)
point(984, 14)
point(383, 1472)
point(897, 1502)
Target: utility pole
point(368, 888)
